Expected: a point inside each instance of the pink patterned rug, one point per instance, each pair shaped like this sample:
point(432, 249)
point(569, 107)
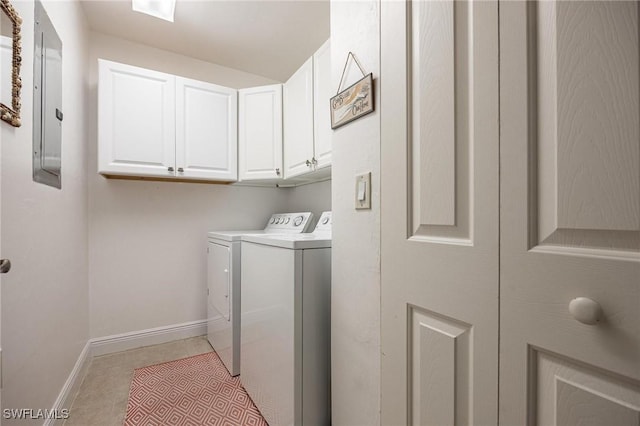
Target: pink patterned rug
point(194, 391)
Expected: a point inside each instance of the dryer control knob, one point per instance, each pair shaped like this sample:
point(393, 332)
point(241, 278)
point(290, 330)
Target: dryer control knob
point(298, 221)
point(273, 220)
point(325, 220)
point(287, 220)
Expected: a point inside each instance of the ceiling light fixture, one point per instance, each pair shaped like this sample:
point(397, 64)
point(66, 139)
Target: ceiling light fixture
point(163, 9)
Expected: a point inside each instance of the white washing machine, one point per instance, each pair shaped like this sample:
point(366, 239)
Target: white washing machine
point(223, 283)
point(285, 337)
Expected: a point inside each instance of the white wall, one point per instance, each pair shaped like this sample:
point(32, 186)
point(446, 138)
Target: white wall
point(314, 197)
point(147, 261)
point(102, 257)
point(116, 49)
point(355, 340)
point(45, 317)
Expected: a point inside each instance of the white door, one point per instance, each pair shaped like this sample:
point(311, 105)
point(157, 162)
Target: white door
point(260, 132)
point(2, 74)
point(206, 131)
point(218, 280)
point(298, 121)
point(439, 213)
point(322, 92)
point(136, 121)
point(570, 215)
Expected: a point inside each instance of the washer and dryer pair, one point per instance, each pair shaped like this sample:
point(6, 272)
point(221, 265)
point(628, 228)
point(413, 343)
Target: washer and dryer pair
point(223, 282)
point(282, 340)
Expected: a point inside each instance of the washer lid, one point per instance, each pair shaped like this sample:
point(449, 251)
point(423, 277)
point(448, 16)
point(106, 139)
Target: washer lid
point(291, 241)
point(279, 223)
point(232, 235)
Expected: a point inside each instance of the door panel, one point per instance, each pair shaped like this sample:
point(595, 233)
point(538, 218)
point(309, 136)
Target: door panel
point(587, 122)
point(440, 212)
point(1, 132)
point(572, 394)
point(206, 130)
point(440, 351)
point(570, 211)
point(260, 132)
point(298, 121)
point(322, 92)
point(136, 133)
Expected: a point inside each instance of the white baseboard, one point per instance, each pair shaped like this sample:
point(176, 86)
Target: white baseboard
point(117, 343)
point(153, 336)
point(72, 385)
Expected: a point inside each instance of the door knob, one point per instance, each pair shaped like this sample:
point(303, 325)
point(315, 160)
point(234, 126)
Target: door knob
point(180, 170)
point(5, 266)
point(585, 310)
point(170, 169)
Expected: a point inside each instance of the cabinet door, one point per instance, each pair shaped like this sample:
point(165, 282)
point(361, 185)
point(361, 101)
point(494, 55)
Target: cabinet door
point(219, 280)
point(322, 91)
point(298, 121)
point(206, 131)
point(260, 132)
point(136, 121)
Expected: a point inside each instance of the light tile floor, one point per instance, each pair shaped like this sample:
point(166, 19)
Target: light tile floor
point(102, 398)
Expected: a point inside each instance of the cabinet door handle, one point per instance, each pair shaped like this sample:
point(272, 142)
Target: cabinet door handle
point(278, 172)
point(180, 170)
point(314, 161)
point(308, 163)
point(170, 169)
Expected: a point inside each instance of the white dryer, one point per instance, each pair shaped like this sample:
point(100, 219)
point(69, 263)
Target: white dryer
point(223, 283)
point(286, 314)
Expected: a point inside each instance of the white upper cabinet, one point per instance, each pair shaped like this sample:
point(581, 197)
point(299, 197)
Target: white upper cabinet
point(307, 123)
point(322, 92)
point(260, 133)
point(136, 121)
point(298, 121)
point(159, 125)
point(206, 130)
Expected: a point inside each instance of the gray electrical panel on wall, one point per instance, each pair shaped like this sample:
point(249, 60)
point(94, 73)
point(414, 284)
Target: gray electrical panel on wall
point(47, 101)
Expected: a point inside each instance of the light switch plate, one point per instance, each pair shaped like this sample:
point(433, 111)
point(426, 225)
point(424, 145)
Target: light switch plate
point(363, 191)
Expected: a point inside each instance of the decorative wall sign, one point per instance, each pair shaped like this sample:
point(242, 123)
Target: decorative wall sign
point(353, 102)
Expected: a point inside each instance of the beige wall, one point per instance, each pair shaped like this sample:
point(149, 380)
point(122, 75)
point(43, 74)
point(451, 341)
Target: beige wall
point(355, 316)
point(45, 316)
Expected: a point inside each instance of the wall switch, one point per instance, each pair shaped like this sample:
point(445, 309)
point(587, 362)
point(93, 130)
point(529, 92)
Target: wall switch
point(363, 191)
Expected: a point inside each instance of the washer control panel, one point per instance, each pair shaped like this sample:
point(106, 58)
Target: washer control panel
point(289, 222)
point(324, 223)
